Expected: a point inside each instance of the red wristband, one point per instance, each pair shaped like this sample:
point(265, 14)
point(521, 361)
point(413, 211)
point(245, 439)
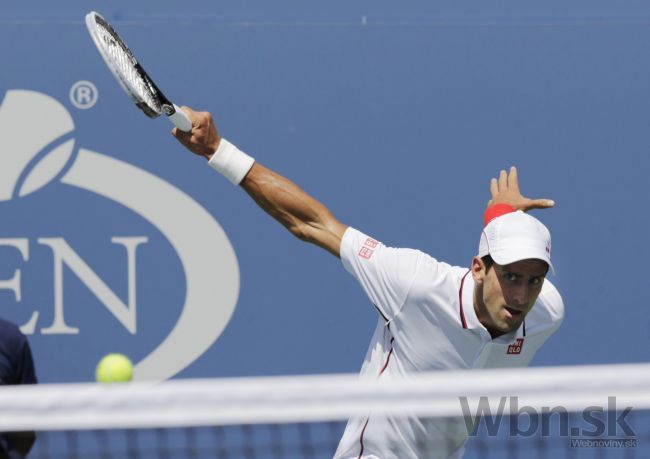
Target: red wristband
point(496, 210)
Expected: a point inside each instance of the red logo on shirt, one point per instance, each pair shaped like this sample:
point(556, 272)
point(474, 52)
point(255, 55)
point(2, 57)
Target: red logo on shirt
point(366, 253)
point(370, 242)
point(516, 348)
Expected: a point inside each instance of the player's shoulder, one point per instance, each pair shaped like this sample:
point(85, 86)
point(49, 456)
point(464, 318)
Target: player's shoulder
point(357, 247)
point(550, 306)
point(10, 333)
point(9, 328)
point(436, 275)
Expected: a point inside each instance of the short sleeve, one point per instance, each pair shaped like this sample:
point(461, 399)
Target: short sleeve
point(386, 274)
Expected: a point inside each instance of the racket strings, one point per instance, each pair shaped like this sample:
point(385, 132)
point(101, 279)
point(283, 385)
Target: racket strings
point(127, 69)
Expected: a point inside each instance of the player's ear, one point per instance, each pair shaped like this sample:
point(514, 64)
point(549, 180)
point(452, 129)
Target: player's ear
point(479, 270)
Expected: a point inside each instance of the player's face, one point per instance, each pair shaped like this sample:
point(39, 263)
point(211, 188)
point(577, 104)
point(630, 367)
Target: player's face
point(506, 293)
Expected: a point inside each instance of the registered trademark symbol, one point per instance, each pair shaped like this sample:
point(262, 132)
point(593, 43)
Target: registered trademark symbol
point(83, 94)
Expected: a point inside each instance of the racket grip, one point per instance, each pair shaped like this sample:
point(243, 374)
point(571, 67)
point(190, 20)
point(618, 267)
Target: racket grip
point(180, 119)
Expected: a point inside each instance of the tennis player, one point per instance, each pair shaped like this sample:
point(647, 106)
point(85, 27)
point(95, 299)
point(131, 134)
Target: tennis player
point(432, 316)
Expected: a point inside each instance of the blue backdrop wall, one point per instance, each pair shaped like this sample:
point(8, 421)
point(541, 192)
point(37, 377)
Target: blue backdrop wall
point(114, 239)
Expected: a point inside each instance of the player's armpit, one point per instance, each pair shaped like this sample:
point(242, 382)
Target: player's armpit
point(305, 217)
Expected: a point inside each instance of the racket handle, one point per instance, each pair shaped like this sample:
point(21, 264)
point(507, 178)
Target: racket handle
point(180, 119)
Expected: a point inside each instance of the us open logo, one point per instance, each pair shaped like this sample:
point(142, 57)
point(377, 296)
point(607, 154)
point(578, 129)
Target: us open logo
point(39, 153)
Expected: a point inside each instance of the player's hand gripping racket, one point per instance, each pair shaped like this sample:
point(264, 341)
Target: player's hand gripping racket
point(130, 74)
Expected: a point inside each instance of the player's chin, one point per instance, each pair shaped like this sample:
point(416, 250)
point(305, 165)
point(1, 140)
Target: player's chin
point(511, 320)
point(506, 327)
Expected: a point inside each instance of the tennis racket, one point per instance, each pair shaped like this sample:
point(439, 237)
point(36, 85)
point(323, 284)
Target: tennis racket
point(130, 74)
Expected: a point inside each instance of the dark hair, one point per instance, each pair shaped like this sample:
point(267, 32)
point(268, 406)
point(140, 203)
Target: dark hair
point(488, 262)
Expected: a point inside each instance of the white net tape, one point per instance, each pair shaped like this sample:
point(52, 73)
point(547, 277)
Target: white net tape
point(314, 398)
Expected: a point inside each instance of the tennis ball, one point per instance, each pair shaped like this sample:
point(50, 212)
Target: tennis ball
point(114, 368)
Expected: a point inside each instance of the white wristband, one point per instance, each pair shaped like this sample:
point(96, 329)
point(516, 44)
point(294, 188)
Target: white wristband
point(230, 161)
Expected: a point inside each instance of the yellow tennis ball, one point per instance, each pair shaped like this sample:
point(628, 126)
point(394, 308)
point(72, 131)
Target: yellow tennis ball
point(114, 368)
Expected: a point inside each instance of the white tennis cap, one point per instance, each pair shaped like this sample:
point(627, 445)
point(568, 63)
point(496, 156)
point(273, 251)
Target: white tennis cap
point(516, 236)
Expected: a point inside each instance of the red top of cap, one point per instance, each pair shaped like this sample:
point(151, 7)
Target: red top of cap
point(496, 210)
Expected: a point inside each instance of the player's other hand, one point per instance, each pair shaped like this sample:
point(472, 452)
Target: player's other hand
point(203, 139)
point(505, 190)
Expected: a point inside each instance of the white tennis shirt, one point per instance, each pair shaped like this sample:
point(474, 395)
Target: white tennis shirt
point(427, 322)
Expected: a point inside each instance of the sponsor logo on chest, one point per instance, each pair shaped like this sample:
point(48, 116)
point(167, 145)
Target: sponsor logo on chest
point(516, 347)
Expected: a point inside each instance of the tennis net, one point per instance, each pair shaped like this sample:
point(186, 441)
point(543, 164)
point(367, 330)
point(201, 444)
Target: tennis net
point(572, 412)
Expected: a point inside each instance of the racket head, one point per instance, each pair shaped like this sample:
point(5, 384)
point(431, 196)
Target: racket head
point(125, 68)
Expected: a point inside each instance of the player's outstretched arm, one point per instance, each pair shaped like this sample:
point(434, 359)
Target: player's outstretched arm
point(304, 216)
point(285, 201)
point(505, 190)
